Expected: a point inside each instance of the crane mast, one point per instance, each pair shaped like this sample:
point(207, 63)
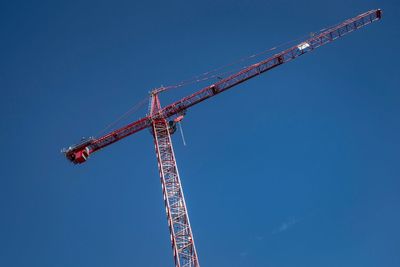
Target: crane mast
point(182, 240)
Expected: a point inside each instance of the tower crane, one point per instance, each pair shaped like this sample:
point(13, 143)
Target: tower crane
point(162, 120)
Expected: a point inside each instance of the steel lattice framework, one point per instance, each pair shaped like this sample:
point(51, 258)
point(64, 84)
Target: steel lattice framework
point(182, 241)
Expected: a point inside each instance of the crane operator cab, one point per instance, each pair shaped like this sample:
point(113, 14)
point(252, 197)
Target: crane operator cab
point(172, 123)
point(171, 127)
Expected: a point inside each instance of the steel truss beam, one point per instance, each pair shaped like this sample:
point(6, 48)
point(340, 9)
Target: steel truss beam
point(254, 70)
point(182, 242)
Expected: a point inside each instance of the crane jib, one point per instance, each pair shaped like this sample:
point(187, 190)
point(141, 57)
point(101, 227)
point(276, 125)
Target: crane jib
point(274, 61)
point(79, 153)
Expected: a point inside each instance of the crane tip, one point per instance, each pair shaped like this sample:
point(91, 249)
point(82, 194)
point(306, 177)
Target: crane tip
point(379, 13)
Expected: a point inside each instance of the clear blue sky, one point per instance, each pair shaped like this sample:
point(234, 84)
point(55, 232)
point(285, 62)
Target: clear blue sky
point(298, 167)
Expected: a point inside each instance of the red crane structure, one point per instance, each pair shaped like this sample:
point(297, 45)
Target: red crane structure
point(157, 120)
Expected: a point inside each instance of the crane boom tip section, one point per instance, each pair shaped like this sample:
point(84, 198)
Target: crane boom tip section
point(379, 13)
point(80, 152)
